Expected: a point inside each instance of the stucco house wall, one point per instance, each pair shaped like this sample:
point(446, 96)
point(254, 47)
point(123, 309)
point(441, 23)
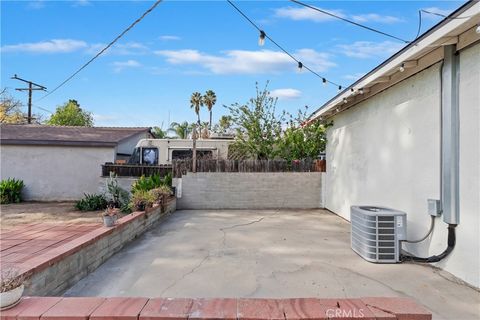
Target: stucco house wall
point(54, 173)
point(386, 151)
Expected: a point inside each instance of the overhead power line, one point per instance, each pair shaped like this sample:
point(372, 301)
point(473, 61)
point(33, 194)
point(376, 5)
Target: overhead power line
point(42, 108)
point(264, 35)
point(349, 21)
point(104, 49)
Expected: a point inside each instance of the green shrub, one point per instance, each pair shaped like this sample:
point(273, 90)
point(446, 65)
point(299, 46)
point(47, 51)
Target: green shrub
point(160, 193)
point(11, 191)
point(91, 202)
point(142, 200)
point(151, 182)
point(167, 180)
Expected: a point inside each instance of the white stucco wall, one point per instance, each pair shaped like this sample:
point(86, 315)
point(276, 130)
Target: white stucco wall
point(55, 173)
point(386, 151)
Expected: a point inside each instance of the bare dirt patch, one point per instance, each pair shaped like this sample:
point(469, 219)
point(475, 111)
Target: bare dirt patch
point(33, 212)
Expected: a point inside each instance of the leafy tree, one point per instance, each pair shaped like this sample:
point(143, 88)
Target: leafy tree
point(181, 130)
point(209, 99)
point(261, 133)
point(11, 110)
point(258, 127)
point(70, 114)
point(303, 139)
point(196, 102)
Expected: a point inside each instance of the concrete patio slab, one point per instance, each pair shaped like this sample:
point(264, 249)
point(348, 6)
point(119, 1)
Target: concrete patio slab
point(270, 254)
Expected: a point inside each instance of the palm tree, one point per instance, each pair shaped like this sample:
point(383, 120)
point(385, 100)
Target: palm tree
point(224, 123)
point(196, 102)
point(180, 129)
point(159, 133)
point(210, 99)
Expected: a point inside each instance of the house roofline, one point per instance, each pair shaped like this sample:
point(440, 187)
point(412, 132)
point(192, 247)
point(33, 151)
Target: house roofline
point(472, 8)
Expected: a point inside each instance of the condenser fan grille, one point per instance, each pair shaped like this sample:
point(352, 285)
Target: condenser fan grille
point(374, 234)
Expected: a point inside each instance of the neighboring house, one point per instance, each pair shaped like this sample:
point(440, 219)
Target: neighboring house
point(410, 131)
point(62, 163)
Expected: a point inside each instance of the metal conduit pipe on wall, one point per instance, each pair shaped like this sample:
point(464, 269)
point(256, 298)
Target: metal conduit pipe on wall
point(449, 160)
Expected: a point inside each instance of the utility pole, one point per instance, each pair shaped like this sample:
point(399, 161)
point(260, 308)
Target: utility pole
point(31, 87)
point(194, 150)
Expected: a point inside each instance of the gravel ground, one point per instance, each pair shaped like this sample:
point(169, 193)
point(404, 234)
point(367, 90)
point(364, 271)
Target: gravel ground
point(33, 212)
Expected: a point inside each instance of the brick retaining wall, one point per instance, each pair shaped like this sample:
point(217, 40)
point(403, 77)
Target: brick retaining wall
point(58, 269)
point(55, 308)
point(250, 190)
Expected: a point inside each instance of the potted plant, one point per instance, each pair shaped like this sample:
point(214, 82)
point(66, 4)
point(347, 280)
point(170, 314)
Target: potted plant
point(110, 215)
point(11, 288)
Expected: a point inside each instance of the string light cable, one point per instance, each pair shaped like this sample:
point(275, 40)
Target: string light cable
point(264, 35)
point(420, 18)
point(349, 21)
point(104, 49)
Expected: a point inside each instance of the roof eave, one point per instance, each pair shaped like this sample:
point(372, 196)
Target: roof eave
point(471, 10)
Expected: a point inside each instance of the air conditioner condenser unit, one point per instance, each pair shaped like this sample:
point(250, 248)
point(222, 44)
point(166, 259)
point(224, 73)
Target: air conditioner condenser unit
point(376, 233)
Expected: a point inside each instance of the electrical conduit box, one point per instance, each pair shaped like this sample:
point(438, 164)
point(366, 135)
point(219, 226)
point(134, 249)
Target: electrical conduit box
point(434, 207)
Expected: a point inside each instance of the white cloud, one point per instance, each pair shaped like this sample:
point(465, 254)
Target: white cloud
point(129, 48)
point(298, 14)
point(81, 3)
point(169, 38)
point(367, 49)
point(354, 77)
point(373, 17)
point(443, 12)
point(248, 62)
point(305, 14)
point(36, 5)
point(118, 66)
point(50, 46)
point(286, 93)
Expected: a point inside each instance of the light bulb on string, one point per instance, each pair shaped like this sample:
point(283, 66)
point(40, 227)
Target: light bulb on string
point(360, 90)
point(324, 81)
point(345, 101)
point(402, 67)
point(261, 38)
point(300, 67)
point(339, 88)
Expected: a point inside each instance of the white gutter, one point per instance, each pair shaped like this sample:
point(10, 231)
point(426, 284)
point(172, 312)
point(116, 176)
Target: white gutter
point(467, 13)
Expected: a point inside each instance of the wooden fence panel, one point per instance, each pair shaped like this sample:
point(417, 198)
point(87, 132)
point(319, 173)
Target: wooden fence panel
point(181, 167)
point(135, 170)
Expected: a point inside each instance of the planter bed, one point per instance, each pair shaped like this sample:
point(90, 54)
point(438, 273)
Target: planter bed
point(54, 271)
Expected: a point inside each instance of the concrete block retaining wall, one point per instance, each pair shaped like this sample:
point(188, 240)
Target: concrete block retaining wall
point(60, 268)
point(245, 190)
